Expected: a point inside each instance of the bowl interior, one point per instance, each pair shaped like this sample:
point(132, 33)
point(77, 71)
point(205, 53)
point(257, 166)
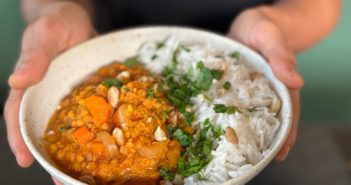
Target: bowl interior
point(70, 68)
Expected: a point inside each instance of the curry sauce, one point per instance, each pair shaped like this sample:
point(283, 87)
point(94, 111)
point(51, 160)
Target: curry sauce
point(112, 129)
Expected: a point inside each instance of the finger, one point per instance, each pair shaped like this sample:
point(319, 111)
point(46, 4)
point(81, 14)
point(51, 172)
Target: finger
point(57, 182)
point(17, 145)
point(283, 64)
point(271, 43)
point(41, 42)
point(290, 142)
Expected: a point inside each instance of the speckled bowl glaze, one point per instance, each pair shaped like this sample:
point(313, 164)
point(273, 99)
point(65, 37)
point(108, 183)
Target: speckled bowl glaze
point(71, 67)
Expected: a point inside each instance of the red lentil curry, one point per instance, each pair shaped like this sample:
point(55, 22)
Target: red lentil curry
point(121, 127)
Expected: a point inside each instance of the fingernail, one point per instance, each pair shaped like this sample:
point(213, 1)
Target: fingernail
point(293, 72)
point(283, 156)
point(14, 77)
point(287, 150)
point(296, 78)
point(12, 80)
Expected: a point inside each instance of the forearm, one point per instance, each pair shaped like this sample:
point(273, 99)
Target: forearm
point(303, 22)
point(33, 9)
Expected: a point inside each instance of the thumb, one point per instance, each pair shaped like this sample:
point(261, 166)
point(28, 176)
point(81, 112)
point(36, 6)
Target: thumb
point(283, 64)
point(41, 41)
point(30, 69)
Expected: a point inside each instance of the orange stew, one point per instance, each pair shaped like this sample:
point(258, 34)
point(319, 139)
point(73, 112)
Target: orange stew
point(112, 129)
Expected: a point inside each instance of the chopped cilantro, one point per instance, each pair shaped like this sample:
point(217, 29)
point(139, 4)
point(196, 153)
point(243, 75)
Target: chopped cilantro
point(205, 79)
point(132, 61)
point(185, 49)
point(201, 176)
point(189, 117)
point(179, 88)
point(179, 94)
point(169, 130)
point(235, 55)
point(227, 85)
point(166, 114)
point(65, 127)
point(220, 108)
point(112, 82)
point(194, 165)
point(253, 109)
point(150, 92)
point(154, 57)
point(125, 89)
point(160, 45)
point(166, 174)
point(183, 138)
point(198, 155)
point(216, 130)
point(174, 100)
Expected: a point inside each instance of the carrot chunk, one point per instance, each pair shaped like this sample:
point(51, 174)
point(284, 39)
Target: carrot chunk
point(83, 135)
point(97, 148)
point(99, 108)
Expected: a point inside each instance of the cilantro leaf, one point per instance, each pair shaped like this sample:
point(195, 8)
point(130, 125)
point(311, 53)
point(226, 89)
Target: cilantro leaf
point(220, 108)
point(189, 117)
point(150, 92)
point(183, 138)
point(227, 85)
point(185, 48)
point(169, 130)
point(205, 79)
point(198, 155)
point(235, 55)
point(166, 174)
point(216, 130)
point(154, 57)
point(65, 127)
point(201, 176)
point(112, 82)
point(132, 61)
point(160, 45)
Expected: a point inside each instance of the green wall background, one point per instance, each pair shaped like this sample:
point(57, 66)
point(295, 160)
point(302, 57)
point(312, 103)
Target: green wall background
point(326, 68)
point(327, 72)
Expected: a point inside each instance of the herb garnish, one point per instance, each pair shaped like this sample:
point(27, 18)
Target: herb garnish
point(235, 55)
point(169, 130)
point(166, 174)
point(183, 138)
point(207, 125)
point(227, 85)
point(154, 57)
point(180, 89)
point(150, 92)
point(160, 45)
point(206, 77)
point(185, 48)
point(132, 61)
point(112, 82)
point(201, 176)
point(166, 114)
point(198, 154)
point(65, 128)
point(253, 109)
point(220, 108)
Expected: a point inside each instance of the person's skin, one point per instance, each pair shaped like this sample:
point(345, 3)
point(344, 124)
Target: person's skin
point(280, 31)
point(277, 32)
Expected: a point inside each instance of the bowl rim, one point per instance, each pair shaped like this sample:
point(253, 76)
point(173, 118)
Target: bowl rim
point(242, 179)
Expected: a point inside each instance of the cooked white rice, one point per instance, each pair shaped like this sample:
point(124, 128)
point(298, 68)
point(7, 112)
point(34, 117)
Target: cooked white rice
point(255, 130)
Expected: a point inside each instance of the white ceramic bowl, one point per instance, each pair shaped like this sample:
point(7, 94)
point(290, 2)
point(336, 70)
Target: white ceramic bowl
point(70, 68)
